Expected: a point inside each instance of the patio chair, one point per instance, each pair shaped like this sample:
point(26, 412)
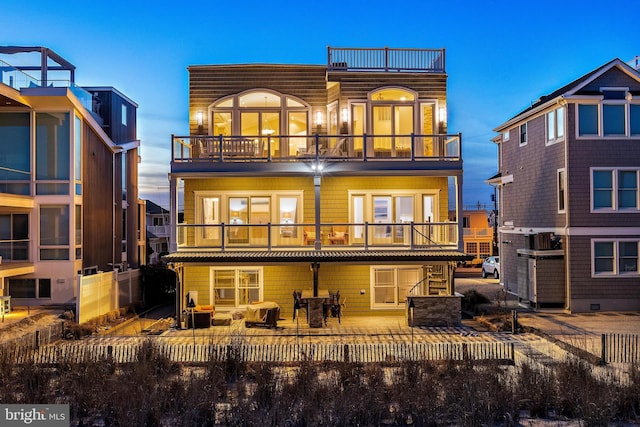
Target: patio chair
point(310, 235)
point(339, 235)
point(298, 303)
point(332, 307)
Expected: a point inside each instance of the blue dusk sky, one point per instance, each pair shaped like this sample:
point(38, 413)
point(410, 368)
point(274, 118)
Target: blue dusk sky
point(501, 55)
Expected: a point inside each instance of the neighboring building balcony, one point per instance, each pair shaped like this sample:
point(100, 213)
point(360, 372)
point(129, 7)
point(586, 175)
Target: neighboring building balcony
point(159, 230)
point(435, 150)
point(14, 250)
point(343, 236)
point(478, 233)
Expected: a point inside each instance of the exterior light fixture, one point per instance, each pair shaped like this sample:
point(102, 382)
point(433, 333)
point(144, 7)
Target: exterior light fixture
point(345, 115)
point(318, 118)
point(317, 167)
point(199, 117)
point(442, 113)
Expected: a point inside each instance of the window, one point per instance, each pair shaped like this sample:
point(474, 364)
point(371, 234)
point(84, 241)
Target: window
point(124, 115)
point(15, 153)
point(615, 257)
point(14, 237)
point(562, 193)
point(78, 231)
point(523, 134)
point(615, 190)
point(555, 125)
point(472, 248)
point(613, 119)
point(391, 285)
point(77, 155)
point(30, 288)
point(587, 120)
point(603, 257)
point(264, 116)
point(53, 145)
point(248, 219)
point(236, 287)
point(485, 249)
point(614, 116)
point(627, 189)
point(54, 232)
point(602, 189)
point(634, 119)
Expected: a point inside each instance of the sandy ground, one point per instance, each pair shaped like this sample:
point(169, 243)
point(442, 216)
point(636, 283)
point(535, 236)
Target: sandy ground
point(16, 328)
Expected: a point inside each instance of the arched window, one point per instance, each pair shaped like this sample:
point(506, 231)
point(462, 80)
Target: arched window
point(392, 120)
point(280, 121)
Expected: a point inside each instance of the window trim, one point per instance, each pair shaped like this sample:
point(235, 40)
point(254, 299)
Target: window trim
point(522, 136)
point(561, 176)
point(616, 259)
point(555, 113)
point(396, 268)
point(627, 102)
point(615, 207)
point(236, 270)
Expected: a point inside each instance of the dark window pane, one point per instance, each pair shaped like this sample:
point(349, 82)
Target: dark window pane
point(44, 288)
point(15, 159)
point(20, 226)
point(22, 288)
point(588, 119)
point(54, 254)
point(613, 117)
point(635, 119)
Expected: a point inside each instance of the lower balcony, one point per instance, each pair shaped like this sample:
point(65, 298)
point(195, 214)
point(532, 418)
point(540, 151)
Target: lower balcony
point(344, 236)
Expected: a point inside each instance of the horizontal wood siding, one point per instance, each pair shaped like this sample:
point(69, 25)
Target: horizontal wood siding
point(333, 192)
point(335, 197)
point(196, 278)
point(599, 289)
point(533, 196)
point(281, 280)
point(249, 186)
point(356, 85)
point(208, 83)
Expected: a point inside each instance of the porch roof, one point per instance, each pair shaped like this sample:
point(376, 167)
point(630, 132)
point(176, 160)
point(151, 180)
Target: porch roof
point(252, 257)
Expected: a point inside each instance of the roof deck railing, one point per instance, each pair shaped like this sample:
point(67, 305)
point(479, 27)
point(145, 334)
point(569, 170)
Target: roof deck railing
point(386, 60)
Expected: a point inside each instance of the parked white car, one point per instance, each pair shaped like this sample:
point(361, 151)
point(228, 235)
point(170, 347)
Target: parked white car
point(491, 267)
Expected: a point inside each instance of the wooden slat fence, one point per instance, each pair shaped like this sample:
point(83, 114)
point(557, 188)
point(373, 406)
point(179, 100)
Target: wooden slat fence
point(620, 348)
point(21, 346)
point(200, 353)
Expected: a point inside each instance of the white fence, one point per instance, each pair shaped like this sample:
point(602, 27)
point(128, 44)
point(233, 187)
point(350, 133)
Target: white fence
point(101, 293)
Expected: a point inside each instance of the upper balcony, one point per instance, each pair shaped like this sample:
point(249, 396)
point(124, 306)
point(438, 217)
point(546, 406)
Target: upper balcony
point(33, 73)
point(386, 60)
point(199, 152)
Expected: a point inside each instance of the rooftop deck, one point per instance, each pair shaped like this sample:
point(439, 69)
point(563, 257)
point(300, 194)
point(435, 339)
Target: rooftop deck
point(386, 60)
point(40, 68)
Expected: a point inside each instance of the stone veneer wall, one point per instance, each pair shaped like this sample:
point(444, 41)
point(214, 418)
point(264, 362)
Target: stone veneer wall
point(434, 310)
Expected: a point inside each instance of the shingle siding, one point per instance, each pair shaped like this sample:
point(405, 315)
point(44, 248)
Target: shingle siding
point(533, 194)
point(530, 202)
